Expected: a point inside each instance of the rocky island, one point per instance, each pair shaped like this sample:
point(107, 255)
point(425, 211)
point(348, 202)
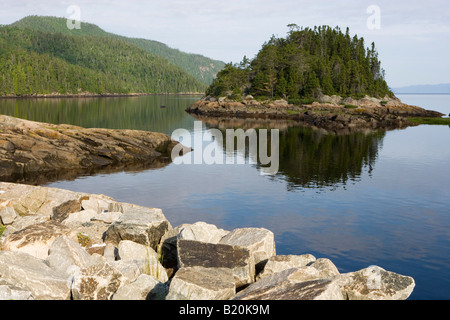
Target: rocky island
point(61, 245)
point(321, 77)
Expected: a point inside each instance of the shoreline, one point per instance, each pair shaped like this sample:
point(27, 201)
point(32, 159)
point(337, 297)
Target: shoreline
point(330, 113)
point(80, 246)
point(94, 95)
point(30, 149)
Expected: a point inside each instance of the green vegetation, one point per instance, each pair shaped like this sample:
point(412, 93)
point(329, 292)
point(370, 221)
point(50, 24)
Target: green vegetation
point(40, 55)
point(306, 64)
point(83, 239)
point(431, 121)
point(33, 62)
point(200, 67)
point(2, 229)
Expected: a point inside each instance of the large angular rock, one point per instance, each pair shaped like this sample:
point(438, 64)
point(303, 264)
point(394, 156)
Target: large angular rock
point(143, 256)
point(36, 239)
point(65, 252)
point(283, 262)
point(375, 283)
point(7, 215)
point(101, 204)
point(199, 231)
point(63, 210)
point(78, 218)
point(238, 259)
point(12, 292)
point(138, 224)
point(202, 231)
point(326, 268)
point(199, 283)
point(145, 287)
point(168, 248)
point(97, 281)
point(34, 275)
point(322, 289)
point(129, 269)
point(303, 283)
point(259, 241)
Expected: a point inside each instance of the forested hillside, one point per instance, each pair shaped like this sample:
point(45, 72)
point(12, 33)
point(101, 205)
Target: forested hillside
point(37, 62)
point(202, 68)
point(307, 63)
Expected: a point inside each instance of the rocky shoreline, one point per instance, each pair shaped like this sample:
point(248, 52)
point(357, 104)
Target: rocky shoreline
point(62, 245)
point(29, 150)
point(331, 113)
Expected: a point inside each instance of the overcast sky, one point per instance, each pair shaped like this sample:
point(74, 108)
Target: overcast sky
point(412, 37)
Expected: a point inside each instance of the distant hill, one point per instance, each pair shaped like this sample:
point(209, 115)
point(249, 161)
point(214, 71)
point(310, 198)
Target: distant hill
point(426, 89)
point(35, 62)
point(202, 68)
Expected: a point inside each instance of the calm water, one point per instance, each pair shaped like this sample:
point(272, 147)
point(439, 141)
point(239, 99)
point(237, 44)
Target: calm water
point(373, 198)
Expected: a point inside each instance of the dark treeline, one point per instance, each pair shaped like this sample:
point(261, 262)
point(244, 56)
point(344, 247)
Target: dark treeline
point(305, 64)
point(35, 62)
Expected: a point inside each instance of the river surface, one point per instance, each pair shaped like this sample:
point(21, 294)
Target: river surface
point(369, 198)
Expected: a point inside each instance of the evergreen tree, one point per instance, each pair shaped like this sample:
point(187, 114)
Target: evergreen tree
point(308, 63)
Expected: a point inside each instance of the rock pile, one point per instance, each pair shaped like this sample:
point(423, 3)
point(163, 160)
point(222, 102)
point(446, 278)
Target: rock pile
point(64, 245)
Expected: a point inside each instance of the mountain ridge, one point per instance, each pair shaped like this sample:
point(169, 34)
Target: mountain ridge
point(202, 68)
point(36, 63)
point(442, 88)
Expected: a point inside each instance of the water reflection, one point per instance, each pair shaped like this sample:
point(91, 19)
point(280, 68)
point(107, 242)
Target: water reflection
point(139, 113)
point(310, 157)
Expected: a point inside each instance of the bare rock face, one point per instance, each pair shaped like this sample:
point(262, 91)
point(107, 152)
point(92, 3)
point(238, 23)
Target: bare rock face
point(28, 147)
point(199, 283)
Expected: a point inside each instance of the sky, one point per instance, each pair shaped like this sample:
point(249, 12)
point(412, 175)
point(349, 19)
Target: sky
point(412, 37)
